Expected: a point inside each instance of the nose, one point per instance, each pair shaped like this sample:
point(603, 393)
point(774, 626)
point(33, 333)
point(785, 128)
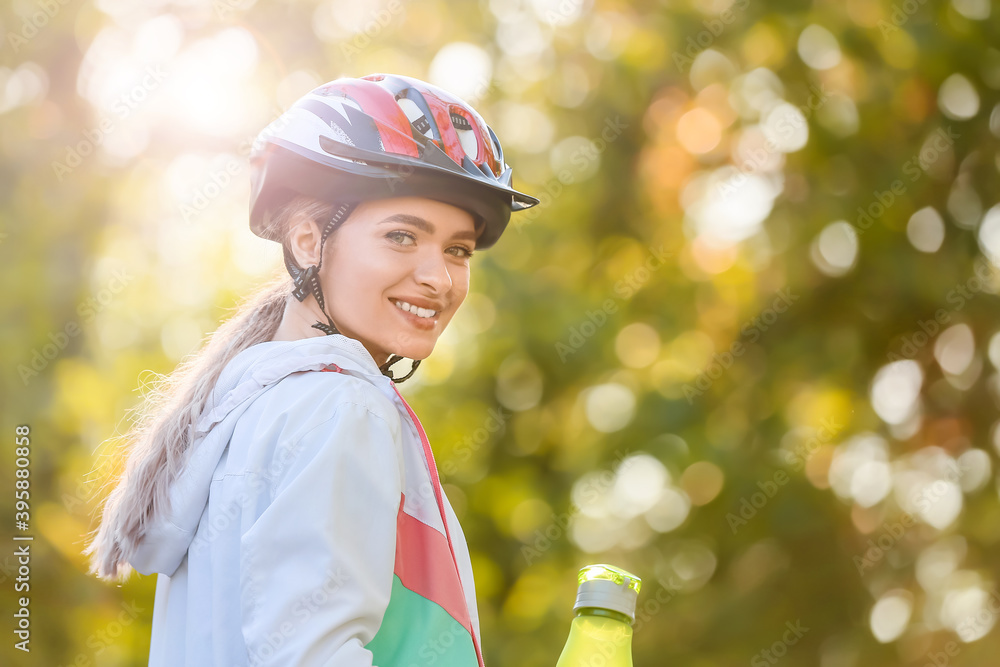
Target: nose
point(432, 272)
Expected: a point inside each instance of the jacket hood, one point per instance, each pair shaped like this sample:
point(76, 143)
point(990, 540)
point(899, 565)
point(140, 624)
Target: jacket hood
point(246, 376)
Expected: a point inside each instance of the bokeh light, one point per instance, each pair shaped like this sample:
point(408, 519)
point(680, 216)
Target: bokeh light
point(751, 325)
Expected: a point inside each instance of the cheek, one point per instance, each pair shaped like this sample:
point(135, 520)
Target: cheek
point(359, 281)
point(460, 284)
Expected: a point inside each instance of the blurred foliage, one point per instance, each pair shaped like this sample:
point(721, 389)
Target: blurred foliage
point(702, 376)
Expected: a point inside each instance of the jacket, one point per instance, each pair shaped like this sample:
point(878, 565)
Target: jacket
point(308, 526)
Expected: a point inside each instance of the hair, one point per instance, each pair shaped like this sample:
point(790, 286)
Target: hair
point(155, 447)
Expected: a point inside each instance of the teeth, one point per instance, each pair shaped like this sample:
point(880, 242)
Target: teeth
point(419, 312)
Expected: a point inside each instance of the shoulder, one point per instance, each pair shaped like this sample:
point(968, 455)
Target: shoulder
point(326, 394)
point(322, 421)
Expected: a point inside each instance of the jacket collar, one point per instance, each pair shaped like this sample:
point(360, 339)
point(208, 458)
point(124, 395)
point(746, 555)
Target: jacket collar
point(266, 363)
point(350, 354)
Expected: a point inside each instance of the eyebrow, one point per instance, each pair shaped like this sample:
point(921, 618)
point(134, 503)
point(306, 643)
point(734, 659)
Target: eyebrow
point(424, 225)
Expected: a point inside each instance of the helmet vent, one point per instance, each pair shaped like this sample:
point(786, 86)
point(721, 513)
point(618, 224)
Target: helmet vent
point(416, 116)
point(466, 137)
point(423, 126)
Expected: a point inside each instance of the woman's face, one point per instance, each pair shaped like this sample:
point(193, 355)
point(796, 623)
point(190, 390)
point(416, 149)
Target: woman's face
point(391, 254)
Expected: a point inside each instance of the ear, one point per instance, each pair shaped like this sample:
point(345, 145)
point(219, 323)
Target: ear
point(304, 240)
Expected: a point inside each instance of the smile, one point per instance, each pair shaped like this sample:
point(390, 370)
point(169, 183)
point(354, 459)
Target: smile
point(424, 313)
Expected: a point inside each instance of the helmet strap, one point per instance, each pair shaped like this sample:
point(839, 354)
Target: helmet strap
point(393, 359)
point(307, 282)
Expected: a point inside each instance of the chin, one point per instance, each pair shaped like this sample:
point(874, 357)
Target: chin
point(417, 352)
point(409, 346)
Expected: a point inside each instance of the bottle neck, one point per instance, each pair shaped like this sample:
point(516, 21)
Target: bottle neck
point(607, 613)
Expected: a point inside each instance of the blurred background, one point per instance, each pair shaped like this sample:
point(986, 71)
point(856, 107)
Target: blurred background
point(746, 347)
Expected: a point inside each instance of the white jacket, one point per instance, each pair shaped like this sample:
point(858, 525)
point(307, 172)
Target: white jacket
point(306, 525)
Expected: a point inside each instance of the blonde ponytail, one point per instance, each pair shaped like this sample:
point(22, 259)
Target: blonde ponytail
point(156, 444)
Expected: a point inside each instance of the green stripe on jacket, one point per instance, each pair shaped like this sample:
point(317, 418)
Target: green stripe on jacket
point(417, 632)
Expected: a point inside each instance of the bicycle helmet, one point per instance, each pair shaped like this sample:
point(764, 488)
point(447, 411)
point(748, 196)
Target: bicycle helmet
point(384, 135)
point(373, 137)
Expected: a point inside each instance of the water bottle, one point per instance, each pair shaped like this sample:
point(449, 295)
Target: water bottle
point(601, 633)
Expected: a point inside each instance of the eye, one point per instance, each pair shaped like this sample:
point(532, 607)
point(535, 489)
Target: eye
point(465, 253)
point(401, 234)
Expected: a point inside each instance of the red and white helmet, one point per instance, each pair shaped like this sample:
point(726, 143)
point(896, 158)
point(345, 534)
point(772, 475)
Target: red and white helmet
point(384, 135)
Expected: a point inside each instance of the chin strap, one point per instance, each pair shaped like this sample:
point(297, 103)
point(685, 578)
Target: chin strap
point(307, 282)
point(393, 359)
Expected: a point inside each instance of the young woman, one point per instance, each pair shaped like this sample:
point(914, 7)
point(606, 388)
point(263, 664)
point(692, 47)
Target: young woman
point(277, 482)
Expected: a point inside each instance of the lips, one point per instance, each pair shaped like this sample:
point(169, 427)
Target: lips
point(427, 304)
point(415, 319)
point(416, 309)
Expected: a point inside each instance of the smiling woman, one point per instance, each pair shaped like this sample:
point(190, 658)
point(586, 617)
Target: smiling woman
point(398, 278)
point(296, 517)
